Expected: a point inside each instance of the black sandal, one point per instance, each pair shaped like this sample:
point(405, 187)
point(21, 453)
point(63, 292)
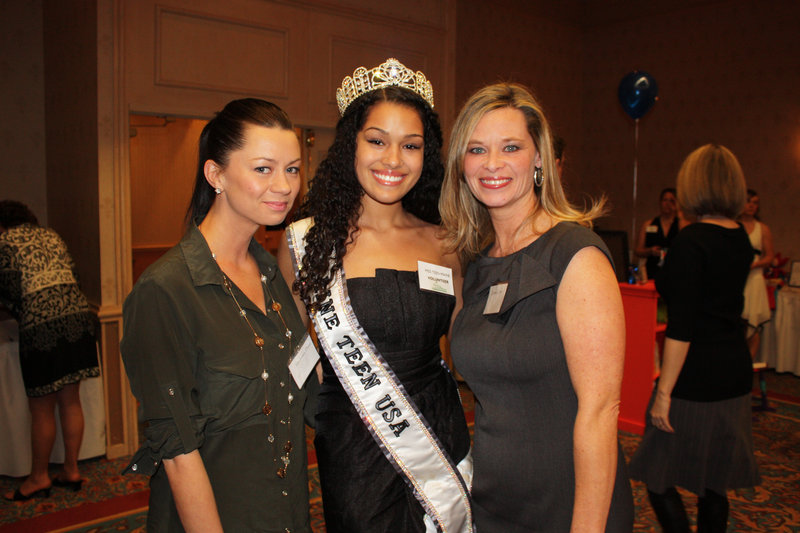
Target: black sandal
point(19, 497)
point(74, 486)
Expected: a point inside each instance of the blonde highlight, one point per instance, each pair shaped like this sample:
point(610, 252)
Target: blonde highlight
point(467, 225)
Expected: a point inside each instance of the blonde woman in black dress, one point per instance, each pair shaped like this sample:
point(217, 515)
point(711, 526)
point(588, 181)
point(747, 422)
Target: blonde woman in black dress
point(541, 336)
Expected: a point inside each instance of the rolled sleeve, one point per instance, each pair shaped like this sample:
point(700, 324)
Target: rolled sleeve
point(160, 360)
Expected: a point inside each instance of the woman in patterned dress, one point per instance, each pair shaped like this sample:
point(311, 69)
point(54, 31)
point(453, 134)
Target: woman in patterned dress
point(57, 343)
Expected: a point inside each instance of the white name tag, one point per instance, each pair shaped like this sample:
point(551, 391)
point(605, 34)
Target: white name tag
point(303, 361)
point(651, 229)
point(497, 294)
point(435, 278)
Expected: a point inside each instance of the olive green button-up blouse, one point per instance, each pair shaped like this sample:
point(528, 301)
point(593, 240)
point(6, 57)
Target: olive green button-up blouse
point(197, 374)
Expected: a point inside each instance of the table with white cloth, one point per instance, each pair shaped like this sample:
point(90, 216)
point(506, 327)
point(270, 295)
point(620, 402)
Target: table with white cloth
point(780, 339)
point(15, 416)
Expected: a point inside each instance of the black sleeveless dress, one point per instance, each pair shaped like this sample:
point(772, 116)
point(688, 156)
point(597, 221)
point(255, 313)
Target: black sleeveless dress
point(361, 491)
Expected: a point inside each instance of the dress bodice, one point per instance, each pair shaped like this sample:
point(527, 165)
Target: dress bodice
point(755, 239)
point(402, 321)
point(362, 490)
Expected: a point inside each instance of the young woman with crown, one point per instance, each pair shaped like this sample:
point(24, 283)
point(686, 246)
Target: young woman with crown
point(391, 440)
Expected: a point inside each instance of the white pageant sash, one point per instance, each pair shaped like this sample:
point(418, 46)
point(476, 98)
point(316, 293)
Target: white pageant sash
point(399, 429)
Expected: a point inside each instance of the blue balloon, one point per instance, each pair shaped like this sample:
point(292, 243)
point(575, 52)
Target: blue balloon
point(637, 93)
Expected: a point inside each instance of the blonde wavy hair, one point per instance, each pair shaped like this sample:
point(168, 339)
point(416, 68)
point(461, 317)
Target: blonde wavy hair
point(466, 222)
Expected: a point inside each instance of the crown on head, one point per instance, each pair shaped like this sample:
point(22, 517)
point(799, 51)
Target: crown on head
point(390, 72)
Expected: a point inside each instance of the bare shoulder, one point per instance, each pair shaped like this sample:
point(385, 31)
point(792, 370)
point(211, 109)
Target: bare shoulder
point(435, 244)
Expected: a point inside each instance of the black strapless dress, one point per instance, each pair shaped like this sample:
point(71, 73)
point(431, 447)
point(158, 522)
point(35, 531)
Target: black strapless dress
point(361, 491)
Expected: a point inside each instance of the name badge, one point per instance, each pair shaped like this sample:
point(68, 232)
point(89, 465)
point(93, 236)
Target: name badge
point(303, 361)
point(651, 229)
point(435, 278)
point(497, 294)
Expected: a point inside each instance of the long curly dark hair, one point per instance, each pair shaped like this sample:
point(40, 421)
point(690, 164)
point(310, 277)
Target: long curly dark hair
point(334, 199)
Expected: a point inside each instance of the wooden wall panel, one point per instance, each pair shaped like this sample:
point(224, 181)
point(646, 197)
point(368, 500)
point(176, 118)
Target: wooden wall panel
point(163, 159)
point(344, 43)
point(197, 51)
point(418, 13)
point(120, 405)
point(189, 57)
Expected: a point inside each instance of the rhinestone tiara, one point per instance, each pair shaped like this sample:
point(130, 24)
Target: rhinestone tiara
point(390, 72)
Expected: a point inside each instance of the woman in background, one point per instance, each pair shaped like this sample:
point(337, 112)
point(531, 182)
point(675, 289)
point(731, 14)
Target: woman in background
point(698, 433)
point(387, 460)
point(541, 337)
point(756, 303)
point(655, 236)
point(209, 329)
point(57, 347)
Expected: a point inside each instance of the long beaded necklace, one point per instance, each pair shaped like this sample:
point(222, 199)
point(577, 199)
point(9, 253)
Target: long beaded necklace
point(258, 340)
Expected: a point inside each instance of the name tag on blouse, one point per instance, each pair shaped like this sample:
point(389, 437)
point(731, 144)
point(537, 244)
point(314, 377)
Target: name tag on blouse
point(303, 361)
point(651, 229)
point(435, 278)
point(497, 293)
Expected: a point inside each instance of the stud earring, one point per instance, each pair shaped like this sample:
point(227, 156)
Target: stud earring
point(538, 176)
point(217, 190)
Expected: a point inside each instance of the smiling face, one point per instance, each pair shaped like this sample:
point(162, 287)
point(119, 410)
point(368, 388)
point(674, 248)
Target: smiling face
point(500, 160)
point(262, 178)
point(389, 152)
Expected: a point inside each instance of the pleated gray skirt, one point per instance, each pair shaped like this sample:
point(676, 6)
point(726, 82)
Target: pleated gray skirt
point(712, 448)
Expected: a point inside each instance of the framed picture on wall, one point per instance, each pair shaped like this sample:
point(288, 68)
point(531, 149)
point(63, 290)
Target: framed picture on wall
point(794, 274)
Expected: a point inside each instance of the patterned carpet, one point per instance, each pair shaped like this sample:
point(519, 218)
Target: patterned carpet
point(774, 506)
point(110, 502)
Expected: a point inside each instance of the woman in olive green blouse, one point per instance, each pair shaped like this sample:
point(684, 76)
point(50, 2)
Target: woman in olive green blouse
point(209, 329)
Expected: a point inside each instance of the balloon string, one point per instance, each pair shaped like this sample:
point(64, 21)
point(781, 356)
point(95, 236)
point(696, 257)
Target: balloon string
point(635, 182)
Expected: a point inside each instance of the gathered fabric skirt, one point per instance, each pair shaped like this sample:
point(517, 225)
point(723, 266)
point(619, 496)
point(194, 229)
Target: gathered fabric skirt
point(712, 448)
point(756, 309)
point(48, 371)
